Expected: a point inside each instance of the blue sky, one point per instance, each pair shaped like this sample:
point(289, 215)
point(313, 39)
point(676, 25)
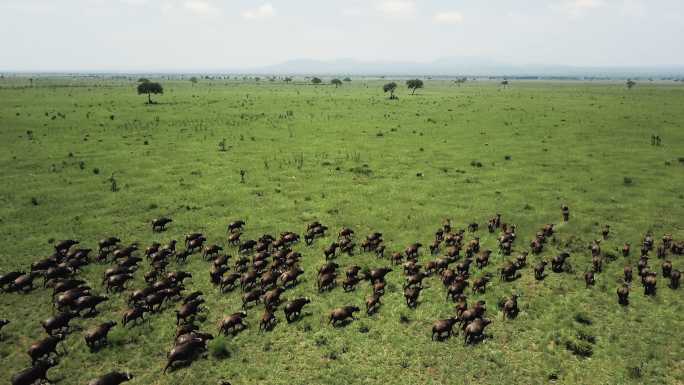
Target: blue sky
point(225, 34)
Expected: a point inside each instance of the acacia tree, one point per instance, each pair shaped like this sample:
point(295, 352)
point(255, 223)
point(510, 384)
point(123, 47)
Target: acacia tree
point(287, 79)
point(414, 84)
point(336, 82)
point(316, 80)
point(390, 87)
point(194, 80)
point(149, 88)
point(630, 83)
point(347, 79)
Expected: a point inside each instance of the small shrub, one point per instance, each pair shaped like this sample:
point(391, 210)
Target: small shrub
point(96, 171)
point(321, 341)
point(34, 201)
point(627, 181)
point(361, 170)
point(583, 319)
point(635, 372)
point(579, 348)
point(112, 184)
point(218, 348)
point(584, 336)
point(476, 163)
point(507, 157)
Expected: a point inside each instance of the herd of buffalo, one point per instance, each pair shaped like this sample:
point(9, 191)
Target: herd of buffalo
point(265, 268)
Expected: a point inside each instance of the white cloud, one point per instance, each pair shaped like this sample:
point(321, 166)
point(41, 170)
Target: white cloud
point(450, 17)
point(396, 7)
point(135, 2)
point(352, 12)
point(576, 7)
point(263, 12)
point(200, 7)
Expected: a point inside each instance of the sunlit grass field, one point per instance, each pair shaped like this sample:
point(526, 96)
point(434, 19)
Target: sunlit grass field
point(87, 158)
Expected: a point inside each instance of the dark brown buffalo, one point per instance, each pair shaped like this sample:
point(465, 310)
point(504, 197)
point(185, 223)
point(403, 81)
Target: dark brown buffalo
point(650, 282)
point(188, 310)
point(328, 268)
point(159, 224)
point(229, 282)
point(480, 284)
point(184, 354)
point(44, 347)
point(539, 270)
point(623, 295)
point(112, 378)
point(411, 295)
point(89, 303)
point(341, 314)
point(510, 307)
point(373, 303)
point(58, 323)
point(443, 326)
point(272, 297)
point(627, 271)
point(326, 282)
point(667, 269)
point(290, 277)
point(294, 308)
point(251, 296)
point(131, 315)
point(35, 373)
point(268, 321)
point(589, 279)
point(231, 322)
point(98, 335)
point(675, 276)
point(475, 330)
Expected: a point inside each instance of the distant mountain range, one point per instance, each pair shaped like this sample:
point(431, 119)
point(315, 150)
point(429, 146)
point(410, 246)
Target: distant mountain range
point(462, 66)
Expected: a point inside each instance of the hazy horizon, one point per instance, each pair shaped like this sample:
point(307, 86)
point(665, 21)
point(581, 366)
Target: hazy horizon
point(206, 35)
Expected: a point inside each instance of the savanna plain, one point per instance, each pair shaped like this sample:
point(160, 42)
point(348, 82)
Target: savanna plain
point(87, 158)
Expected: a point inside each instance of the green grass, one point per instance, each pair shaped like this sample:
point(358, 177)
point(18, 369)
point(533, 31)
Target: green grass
point(348, 156)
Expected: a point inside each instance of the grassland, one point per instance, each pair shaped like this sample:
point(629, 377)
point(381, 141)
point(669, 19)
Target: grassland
point(348, 156)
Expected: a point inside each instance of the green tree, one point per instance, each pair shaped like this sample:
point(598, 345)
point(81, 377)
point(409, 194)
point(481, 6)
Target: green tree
point(336, 82)
point(288, 79)
point(316, 80)
point(150, 88)
point(630, 83)
point(347, 79)
point(414, 84)
point(194, 80)
point(390, 87)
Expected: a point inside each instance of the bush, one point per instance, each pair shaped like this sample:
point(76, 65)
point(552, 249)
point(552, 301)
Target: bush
point(580, 348)
point(218, 348)
point(627, 181)
point(583, 319)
